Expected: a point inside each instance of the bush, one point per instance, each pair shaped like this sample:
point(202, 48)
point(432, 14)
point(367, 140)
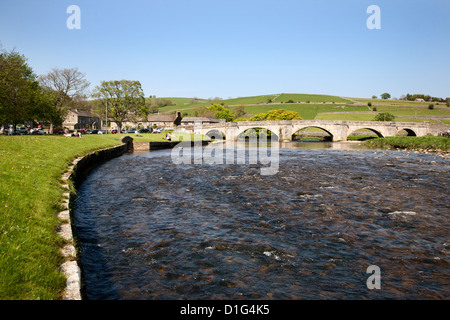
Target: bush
point(384, 117)
point(431, 106)
point(220, 112)
point(374, 109)
point(280, 114)
point(369, 104)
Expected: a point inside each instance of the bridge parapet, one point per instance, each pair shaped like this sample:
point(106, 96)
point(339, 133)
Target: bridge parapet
point(314, 122)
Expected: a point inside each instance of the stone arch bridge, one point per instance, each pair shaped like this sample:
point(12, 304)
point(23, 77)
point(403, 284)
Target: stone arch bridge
point(339, 130)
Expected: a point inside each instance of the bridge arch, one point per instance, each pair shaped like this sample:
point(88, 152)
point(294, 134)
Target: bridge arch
point(216, 134)
point(297, 130)
point(363, 134)
point(409, 132)
point(244, 133)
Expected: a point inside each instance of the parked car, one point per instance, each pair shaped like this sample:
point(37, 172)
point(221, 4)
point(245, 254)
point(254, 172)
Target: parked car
point(92, 131)
point(145, 131)
point(7, 130)
point(58, 131)
point(114, 131)
point(37, 131)
point(102, 132)
point(132, 130)
point(21, 129)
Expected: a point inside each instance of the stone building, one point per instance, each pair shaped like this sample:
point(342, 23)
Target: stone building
point(164, 120)
point(167, 121)
point(78, 119)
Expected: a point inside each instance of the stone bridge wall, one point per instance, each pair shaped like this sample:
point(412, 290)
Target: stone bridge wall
point(339, 130)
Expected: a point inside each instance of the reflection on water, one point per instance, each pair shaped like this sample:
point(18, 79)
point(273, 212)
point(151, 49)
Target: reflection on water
point(310, 145)
point(324, 145)
point(150, 230)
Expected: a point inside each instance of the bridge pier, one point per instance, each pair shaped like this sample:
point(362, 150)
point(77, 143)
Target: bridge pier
point(340, 133)
point(285, 133)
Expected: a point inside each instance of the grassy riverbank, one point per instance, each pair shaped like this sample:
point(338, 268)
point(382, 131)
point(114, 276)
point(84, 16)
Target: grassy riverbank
point(411, 143)
point(30, 198)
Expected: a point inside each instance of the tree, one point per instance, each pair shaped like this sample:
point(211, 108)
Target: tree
point(220, 112)
point(374, 97)
point(384, 117)
point(122, 100)
point(69, 87)
point(202, 111)
point(279, 114)
point(19, 89)
point(239, 111)
point(385, 96)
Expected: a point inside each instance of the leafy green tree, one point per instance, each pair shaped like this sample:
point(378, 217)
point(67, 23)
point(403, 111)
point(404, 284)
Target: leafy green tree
point(161, 103)
point(44, 109)
point(239, 111)
point(19, 89)
point(220, 112)
point(385, 116)
point(280, 114)
point(122, 100)
point(258, 117)
point(202, 111)
point(385, 96)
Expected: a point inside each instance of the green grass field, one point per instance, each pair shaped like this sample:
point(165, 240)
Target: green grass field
point(312, 98)
point(306, 111)
point(30, 198)
point(392, 102)
point(411, 143)
point(248, 100)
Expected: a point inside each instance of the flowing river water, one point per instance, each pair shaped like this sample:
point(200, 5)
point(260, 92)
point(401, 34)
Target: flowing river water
point(149, 229)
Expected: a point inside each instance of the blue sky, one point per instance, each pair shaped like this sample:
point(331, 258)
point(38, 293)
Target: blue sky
point(228, 48)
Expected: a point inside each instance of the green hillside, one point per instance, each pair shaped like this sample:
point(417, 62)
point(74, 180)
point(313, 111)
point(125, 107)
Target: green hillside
point(313, 98)
point(306, 111)
point(321, 107)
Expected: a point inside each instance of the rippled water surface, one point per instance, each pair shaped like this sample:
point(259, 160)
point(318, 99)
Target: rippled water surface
point(150, 230)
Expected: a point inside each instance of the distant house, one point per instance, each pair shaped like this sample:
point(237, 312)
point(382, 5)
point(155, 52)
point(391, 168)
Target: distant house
point(164, 120)
point(189, 121)
point(419, 100)
point(78, 119)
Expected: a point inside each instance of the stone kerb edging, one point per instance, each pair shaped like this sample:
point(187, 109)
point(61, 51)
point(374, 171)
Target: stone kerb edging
point(79, 168)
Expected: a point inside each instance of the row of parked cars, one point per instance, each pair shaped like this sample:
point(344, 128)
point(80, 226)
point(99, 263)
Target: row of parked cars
point(22, 130)
point(40, 131)
point(133, 130)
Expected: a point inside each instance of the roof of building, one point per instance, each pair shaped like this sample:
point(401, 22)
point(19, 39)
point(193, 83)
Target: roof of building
point(162, 117)
point(200, 119)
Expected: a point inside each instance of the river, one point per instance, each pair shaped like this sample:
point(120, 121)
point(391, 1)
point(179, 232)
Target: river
point(149, 229)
